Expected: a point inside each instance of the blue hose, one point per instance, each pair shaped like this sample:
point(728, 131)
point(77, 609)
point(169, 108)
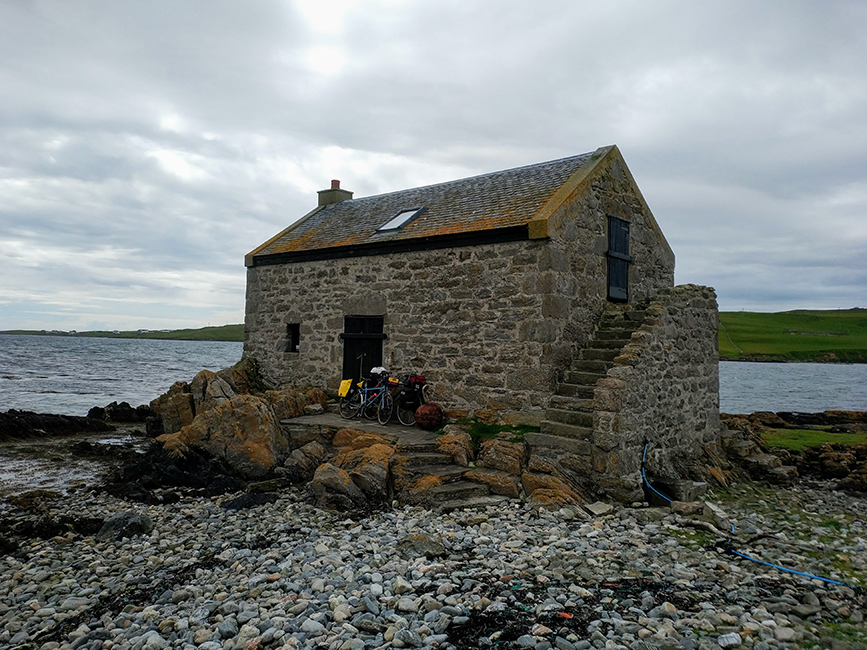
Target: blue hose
point(798, 573)
point(739, 554)
point(644, 476)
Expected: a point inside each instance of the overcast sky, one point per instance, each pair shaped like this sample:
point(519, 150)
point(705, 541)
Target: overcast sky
point(145, 147)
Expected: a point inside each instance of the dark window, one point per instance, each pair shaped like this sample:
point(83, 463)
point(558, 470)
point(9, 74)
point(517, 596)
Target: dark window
point(362, 345)
point(618, 259)
point(293, 337)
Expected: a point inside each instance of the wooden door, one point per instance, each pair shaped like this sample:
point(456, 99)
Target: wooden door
point(618, 259)
point(362, 345)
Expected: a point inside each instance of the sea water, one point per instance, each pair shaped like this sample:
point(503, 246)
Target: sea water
point(746, 387)
point(69, 375)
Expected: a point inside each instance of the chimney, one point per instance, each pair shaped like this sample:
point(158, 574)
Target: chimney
point(334, 195)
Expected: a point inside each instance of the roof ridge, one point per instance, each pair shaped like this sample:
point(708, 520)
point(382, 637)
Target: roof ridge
point(469, 178)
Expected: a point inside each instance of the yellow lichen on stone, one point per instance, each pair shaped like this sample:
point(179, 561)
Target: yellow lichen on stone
point(457, 445)
point(355, 439)
point(534, 482)
point(350, 459)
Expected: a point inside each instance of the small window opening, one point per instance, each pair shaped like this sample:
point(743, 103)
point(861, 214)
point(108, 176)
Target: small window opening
point(399, 220)
point(293, 337)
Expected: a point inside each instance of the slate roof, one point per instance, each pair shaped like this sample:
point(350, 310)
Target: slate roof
point(489, 202)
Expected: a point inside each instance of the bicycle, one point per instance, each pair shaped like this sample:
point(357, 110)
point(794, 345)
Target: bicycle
point(365, 396)
point(409, 397)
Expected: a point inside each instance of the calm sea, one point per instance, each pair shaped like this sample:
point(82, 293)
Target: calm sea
point(745, 387)
point(69, 375)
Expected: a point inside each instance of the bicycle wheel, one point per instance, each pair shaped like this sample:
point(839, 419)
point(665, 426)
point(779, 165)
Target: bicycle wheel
point(369, 408)
point(385, 408)
point(350, 405)
point(406, 412)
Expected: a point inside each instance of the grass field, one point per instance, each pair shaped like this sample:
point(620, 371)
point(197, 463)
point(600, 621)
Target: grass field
point(794, 336)
point(800, 439)
point(221, 333)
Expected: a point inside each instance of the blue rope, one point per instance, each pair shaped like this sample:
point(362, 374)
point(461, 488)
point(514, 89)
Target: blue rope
point(644, 476)
point(782, 568)
point(647, 483)
point(734, 552)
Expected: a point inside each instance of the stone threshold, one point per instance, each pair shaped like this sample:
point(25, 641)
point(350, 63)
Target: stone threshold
point(395, 433)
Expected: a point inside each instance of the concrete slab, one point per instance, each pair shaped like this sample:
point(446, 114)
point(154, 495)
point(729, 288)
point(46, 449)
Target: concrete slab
point(407, 437)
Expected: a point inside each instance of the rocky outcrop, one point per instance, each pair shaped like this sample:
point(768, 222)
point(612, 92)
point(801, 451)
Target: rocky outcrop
point(505, 456)
point(294, 402)
point(184, 401)
point(207, 390)
point(363, 459)
point(334, 488)
point(121, 412)
point(152, 477)
point(846, 463)
point(368, 468)
point(175, 408)
point(218, 414)
point(16, 425)
point(243, 431)
point(302, 463)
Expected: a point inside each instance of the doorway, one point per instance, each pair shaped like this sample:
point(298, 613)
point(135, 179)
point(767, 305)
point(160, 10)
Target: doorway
point(618, 259)
point(362, 345)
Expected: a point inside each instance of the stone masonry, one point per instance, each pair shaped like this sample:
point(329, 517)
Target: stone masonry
point(492, 326)
point(662, 391)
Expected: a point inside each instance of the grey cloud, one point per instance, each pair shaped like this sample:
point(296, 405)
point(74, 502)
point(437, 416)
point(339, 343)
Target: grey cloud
point(185, 134)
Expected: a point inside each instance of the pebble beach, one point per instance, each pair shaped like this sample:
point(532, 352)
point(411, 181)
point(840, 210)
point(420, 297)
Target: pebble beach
point(288, 575)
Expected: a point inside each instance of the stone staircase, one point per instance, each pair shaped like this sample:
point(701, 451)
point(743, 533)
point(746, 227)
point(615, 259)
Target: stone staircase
point(420, 459)
point(570, 411)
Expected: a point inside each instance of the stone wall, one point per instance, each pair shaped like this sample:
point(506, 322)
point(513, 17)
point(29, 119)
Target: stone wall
point(664, 392)
point(491, 326)
point(470, 319)
point(579, 241)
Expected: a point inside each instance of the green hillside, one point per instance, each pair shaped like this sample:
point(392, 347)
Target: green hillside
point(799, 335)
point(221, 333)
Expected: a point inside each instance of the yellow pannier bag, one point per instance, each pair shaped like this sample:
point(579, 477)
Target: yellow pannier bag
point(343, 391)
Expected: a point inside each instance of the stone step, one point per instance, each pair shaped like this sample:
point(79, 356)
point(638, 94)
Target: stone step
point(605, 344)
point(614, 333)
point(592, 365)
point(564, 416)
point(551, 428)
point(457, 490)
point(582, 378)
point(572, 445)
point(599, 354)
point(448, 472)
point(472, 502)
point(427, 458)
point(420, 442)
point(582, 391)
point(633, 316)
point(571, 403)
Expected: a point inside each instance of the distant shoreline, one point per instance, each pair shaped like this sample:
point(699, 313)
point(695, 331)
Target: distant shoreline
point(765, 359)
point(801, 336)
point(231, 333)
point(816, 336)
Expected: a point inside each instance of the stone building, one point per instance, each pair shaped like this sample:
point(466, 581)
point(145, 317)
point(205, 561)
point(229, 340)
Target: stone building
point(494, 287)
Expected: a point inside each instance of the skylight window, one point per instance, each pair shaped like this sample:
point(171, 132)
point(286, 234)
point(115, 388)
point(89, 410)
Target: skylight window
point(399, 220)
